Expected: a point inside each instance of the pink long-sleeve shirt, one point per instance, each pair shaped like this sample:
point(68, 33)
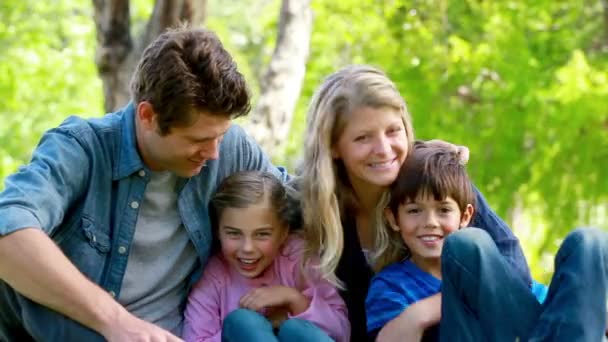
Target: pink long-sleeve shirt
point(220, 289)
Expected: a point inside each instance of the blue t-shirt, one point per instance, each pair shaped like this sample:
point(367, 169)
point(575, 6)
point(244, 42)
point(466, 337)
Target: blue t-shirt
point(401, 284)
point(395, 288)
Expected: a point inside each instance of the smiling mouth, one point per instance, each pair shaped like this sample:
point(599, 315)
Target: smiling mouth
point(430, 239)
point(383, 165)
point(199, 162)
point(248, 264)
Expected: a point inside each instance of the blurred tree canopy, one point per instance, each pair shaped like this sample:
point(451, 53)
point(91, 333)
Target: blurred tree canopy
point(523, 84)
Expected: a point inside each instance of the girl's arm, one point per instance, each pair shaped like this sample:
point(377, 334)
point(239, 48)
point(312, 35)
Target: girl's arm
point(325, 308)
point(505, 240)
point(202, 317)
point(413, 321)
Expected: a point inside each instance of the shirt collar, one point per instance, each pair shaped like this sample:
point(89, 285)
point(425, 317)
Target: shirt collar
point(129, 160)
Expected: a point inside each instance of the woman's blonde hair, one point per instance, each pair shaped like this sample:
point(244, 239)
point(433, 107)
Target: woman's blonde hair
point(326, 191)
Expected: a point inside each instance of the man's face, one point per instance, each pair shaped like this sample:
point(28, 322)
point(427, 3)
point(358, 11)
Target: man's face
point(184, 149)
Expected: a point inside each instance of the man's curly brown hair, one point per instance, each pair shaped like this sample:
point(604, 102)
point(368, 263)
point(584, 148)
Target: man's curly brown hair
point(185, 72)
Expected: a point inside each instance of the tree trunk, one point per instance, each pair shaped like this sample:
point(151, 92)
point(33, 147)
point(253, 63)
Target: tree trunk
point(117, 52)
point(605, 8)
point(281, 84)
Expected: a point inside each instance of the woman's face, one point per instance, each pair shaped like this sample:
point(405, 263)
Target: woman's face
point(372, 146)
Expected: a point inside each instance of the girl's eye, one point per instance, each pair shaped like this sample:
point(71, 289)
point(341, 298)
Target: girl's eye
point(232, 233)
point(361, 138)
point(412, 211)
point(446, 210)
point(264, 234)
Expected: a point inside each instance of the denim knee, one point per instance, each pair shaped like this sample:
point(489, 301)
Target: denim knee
point(592, 242)
point(295, 329)
point(465, 246)
point(244, 319)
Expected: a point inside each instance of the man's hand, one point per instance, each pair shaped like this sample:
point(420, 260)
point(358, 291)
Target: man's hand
point(127, 327)
point(273, 296)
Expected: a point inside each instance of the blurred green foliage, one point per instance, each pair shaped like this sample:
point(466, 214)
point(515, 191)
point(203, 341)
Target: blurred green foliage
point(523, 84)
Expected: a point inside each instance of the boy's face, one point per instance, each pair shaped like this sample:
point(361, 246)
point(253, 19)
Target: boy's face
point(425, 223)
point(251, 238)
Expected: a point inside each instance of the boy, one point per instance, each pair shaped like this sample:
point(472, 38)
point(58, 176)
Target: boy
point(431, 200)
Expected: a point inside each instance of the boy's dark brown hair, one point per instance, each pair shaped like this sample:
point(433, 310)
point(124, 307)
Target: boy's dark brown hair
point(187, 71)
point(432, 170)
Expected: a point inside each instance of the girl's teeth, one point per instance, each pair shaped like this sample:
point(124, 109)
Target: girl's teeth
point(248, 261)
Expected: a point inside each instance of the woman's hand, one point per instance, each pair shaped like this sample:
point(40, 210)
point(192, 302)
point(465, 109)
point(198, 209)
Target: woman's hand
point(462, 151)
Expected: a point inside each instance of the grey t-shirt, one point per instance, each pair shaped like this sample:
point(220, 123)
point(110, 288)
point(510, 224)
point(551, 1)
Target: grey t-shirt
point(161, 258)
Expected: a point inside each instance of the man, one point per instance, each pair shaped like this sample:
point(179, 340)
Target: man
point(103, 232)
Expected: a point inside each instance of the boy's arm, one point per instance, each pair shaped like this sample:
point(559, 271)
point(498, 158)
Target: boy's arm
point(413, 321)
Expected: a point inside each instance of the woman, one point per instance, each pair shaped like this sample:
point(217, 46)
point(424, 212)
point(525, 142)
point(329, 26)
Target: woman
point(358, 135)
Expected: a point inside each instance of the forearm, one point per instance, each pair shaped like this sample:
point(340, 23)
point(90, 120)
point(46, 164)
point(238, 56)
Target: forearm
point(413, 321)
point(34, 266)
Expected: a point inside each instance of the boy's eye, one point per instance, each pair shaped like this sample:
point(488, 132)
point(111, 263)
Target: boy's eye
point(445, 210)
point(412, 211)
point(232, 233)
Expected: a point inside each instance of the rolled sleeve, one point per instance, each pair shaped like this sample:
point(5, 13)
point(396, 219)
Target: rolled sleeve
point(39, 194)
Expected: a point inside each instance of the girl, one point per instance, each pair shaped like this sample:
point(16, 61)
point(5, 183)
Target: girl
point(259, 281)
point(358, 135)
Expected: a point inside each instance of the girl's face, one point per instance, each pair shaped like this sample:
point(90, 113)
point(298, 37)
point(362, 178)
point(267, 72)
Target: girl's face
point(425, 223)
point(372, 146)
point(251, 238)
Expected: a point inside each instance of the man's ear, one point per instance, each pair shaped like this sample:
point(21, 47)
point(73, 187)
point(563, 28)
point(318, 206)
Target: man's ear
point(146, 115)
point(467, 215)
point(390, 218)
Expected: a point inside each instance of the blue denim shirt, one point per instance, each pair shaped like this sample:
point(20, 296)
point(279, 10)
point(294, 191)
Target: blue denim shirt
point(86, 180)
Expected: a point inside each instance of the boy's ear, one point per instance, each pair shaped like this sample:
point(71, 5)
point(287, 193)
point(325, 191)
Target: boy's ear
point(390, 218)
point(467, 215)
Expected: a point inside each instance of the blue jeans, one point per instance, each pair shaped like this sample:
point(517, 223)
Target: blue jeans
point(24, 320)
point(248, 325)
point(484, 300)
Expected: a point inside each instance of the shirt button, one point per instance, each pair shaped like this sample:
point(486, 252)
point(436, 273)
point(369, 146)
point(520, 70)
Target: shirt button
point(122, 250)
point(113, 294)
point(142, 173)
point(134, 205)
